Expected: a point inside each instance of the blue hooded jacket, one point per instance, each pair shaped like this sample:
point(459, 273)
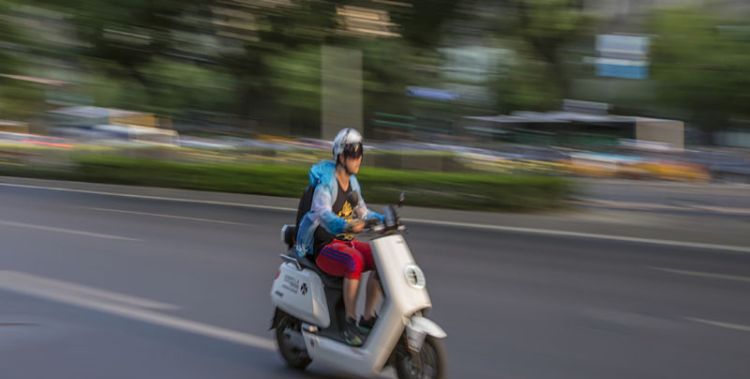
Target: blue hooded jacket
point(323, 177)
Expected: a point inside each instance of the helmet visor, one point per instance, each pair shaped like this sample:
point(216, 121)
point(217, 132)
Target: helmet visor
point(353, 150)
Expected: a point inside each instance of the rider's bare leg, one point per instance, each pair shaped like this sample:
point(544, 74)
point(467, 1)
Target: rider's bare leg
point(374, 294)
point(351, 288)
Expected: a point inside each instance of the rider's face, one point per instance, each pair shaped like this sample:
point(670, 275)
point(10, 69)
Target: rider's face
point(352, 164)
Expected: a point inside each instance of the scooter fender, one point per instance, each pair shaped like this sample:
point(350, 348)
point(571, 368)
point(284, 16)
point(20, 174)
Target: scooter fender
point(418, 328)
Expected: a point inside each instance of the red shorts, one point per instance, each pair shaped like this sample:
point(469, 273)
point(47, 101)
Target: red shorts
point(345, 258)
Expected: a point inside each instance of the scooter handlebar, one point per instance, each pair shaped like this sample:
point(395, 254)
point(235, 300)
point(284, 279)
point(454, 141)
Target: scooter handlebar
point(391, 223)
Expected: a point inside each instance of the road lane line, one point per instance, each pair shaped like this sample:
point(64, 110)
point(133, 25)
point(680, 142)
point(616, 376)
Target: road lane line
point(733, 211)
point(149, 197)
point(199, 219)
point(703, 274)
point(726, 325)
point(32, 281)
point(684, 206)
point(562, 233)
point(548, 232)
point(9, 281)
point(63, 230)
point(628, 204)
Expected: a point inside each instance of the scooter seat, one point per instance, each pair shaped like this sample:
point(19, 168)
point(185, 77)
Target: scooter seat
point(329, 281)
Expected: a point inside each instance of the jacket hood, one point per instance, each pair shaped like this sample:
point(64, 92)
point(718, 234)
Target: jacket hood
point(322, 172)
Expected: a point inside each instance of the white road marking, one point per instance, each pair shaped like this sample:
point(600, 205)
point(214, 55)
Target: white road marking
point(727, 325)
point(42, 284)
point(63, 230)
point(629, 204)
point(608, 237)
point(672, 186)
point(199, 219)
point(148, 197)
point(703, 274)
point(18, 282)
point(685, 206)
point(549, 232)
point(734, 211)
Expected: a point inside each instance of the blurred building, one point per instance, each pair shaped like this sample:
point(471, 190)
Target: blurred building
point(365, 21)
point(579, 124)
point(87, 117)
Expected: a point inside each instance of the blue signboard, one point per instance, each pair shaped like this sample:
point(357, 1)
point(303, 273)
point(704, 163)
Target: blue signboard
point(623, 71)
point(431, 93)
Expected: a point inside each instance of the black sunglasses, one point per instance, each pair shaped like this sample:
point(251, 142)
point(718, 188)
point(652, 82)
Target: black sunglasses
point(353, 150)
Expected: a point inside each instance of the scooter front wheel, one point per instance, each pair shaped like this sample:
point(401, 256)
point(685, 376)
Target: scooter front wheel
point(291, 344)
point(428, 363)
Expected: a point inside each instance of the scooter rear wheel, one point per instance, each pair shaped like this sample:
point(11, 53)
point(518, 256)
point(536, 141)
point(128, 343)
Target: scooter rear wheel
point(428, 363)
point(295, 356)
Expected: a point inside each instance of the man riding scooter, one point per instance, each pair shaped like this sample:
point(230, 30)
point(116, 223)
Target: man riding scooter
point(314, 313)
point(326, 232)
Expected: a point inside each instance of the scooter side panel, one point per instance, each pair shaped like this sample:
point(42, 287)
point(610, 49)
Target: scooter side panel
point(301, 294)
point(403, 281)
point(392, 259)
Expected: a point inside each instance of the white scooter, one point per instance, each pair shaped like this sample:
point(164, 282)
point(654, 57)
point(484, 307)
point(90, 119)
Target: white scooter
point(309, 312)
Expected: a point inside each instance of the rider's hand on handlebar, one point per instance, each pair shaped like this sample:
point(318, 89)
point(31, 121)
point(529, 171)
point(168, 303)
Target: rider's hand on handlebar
point(371, 222)
point(356, 226)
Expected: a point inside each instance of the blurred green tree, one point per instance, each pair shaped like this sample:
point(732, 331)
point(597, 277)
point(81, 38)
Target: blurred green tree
point(421, 22)
point(135, 52)
point(8, 38)
point(19, 99)
point(130, 33)
point(701, 63)
point(278, 73)
point(540, 30)
point(131, 55)
point(526, 85)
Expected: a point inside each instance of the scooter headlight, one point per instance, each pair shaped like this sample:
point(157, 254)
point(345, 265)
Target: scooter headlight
point(415, 276)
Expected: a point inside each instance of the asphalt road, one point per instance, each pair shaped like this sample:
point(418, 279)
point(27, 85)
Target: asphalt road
point(697, 198)
point(95, 286)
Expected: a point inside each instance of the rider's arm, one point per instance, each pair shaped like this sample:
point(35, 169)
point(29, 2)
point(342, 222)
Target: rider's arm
point(366, 213)
point(362, 211)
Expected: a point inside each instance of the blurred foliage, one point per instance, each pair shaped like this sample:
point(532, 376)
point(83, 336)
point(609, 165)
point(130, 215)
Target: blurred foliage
point(260, 60)
point(8, 37)
point(546, 27)
point(181, 85)
point(421, 22)
point(701, 62)
point(442, 190)
point(131, 33)
point(297, 74)
point(528, 86)
point(18, 100)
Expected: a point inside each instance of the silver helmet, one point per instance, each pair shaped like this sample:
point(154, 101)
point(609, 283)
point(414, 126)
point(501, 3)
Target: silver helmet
point(349, 142)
